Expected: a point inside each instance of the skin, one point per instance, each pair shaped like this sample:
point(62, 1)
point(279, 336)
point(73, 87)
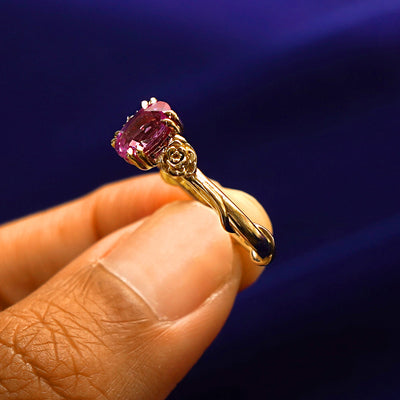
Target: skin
point(117, 294)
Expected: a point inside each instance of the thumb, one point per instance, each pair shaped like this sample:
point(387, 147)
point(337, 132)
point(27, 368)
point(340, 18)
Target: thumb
point(129, 317)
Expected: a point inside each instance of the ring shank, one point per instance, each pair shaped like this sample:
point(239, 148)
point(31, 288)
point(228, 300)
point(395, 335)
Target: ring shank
point(256, 238)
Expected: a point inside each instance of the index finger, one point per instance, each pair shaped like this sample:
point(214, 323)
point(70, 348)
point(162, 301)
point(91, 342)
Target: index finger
point(35, 247)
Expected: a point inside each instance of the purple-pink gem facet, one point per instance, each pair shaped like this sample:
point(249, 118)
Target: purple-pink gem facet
point(146, 130)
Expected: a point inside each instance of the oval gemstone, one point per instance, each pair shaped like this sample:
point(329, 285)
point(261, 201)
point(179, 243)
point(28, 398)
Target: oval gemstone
point(145, 130)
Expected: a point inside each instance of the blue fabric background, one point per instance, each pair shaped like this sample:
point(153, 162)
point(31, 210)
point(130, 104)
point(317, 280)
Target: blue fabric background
point(301, 103)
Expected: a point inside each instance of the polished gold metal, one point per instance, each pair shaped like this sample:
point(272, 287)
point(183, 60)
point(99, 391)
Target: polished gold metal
point(178, 166)
point(114, 139)
point(173, 116)
point(172, 124)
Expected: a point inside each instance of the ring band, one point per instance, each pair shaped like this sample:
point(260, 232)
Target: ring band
point(153, 137)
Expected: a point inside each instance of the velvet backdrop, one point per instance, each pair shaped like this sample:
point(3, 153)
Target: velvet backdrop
point(295, 102)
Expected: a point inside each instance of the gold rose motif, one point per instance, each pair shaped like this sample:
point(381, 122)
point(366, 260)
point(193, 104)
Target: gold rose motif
point(179, 158)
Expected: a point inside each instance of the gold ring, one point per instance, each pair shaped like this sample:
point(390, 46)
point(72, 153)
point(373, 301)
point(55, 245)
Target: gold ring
point(153, 138)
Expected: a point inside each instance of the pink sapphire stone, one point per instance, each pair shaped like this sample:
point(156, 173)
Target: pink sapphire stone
point(146, 130)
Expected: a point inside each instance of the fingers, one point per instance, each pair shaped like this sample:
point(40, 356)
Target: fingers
point(130, 316)
point(34, 248)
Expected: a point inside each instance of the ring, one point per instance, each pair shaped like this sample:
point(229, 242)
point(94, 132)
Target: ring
point(153, 138)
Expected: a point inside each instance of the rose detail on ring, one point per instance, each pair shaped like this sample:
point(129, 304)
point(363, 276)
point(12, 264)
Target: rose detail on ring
point(179, 159)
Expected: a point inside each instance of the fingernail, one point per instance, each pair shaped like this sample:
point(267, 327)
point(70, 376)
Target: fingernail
point(175, 260)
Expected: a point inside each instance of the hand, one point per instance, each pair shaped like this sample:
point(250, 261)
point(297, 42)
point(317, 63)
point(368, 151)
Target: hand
point(117, 294)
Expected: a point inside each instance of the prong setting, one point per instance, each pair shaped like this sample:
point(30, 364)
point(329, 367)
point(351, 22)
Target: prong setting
point(133, 142)
point(172, 125)
point(140, 161)
point(114, 139)
point(173, 116)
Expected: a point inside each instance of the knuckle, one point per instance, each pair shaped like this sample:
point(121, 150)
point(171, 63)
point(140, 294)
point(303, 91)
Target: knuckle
point(44, 352)
point(63, 346)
